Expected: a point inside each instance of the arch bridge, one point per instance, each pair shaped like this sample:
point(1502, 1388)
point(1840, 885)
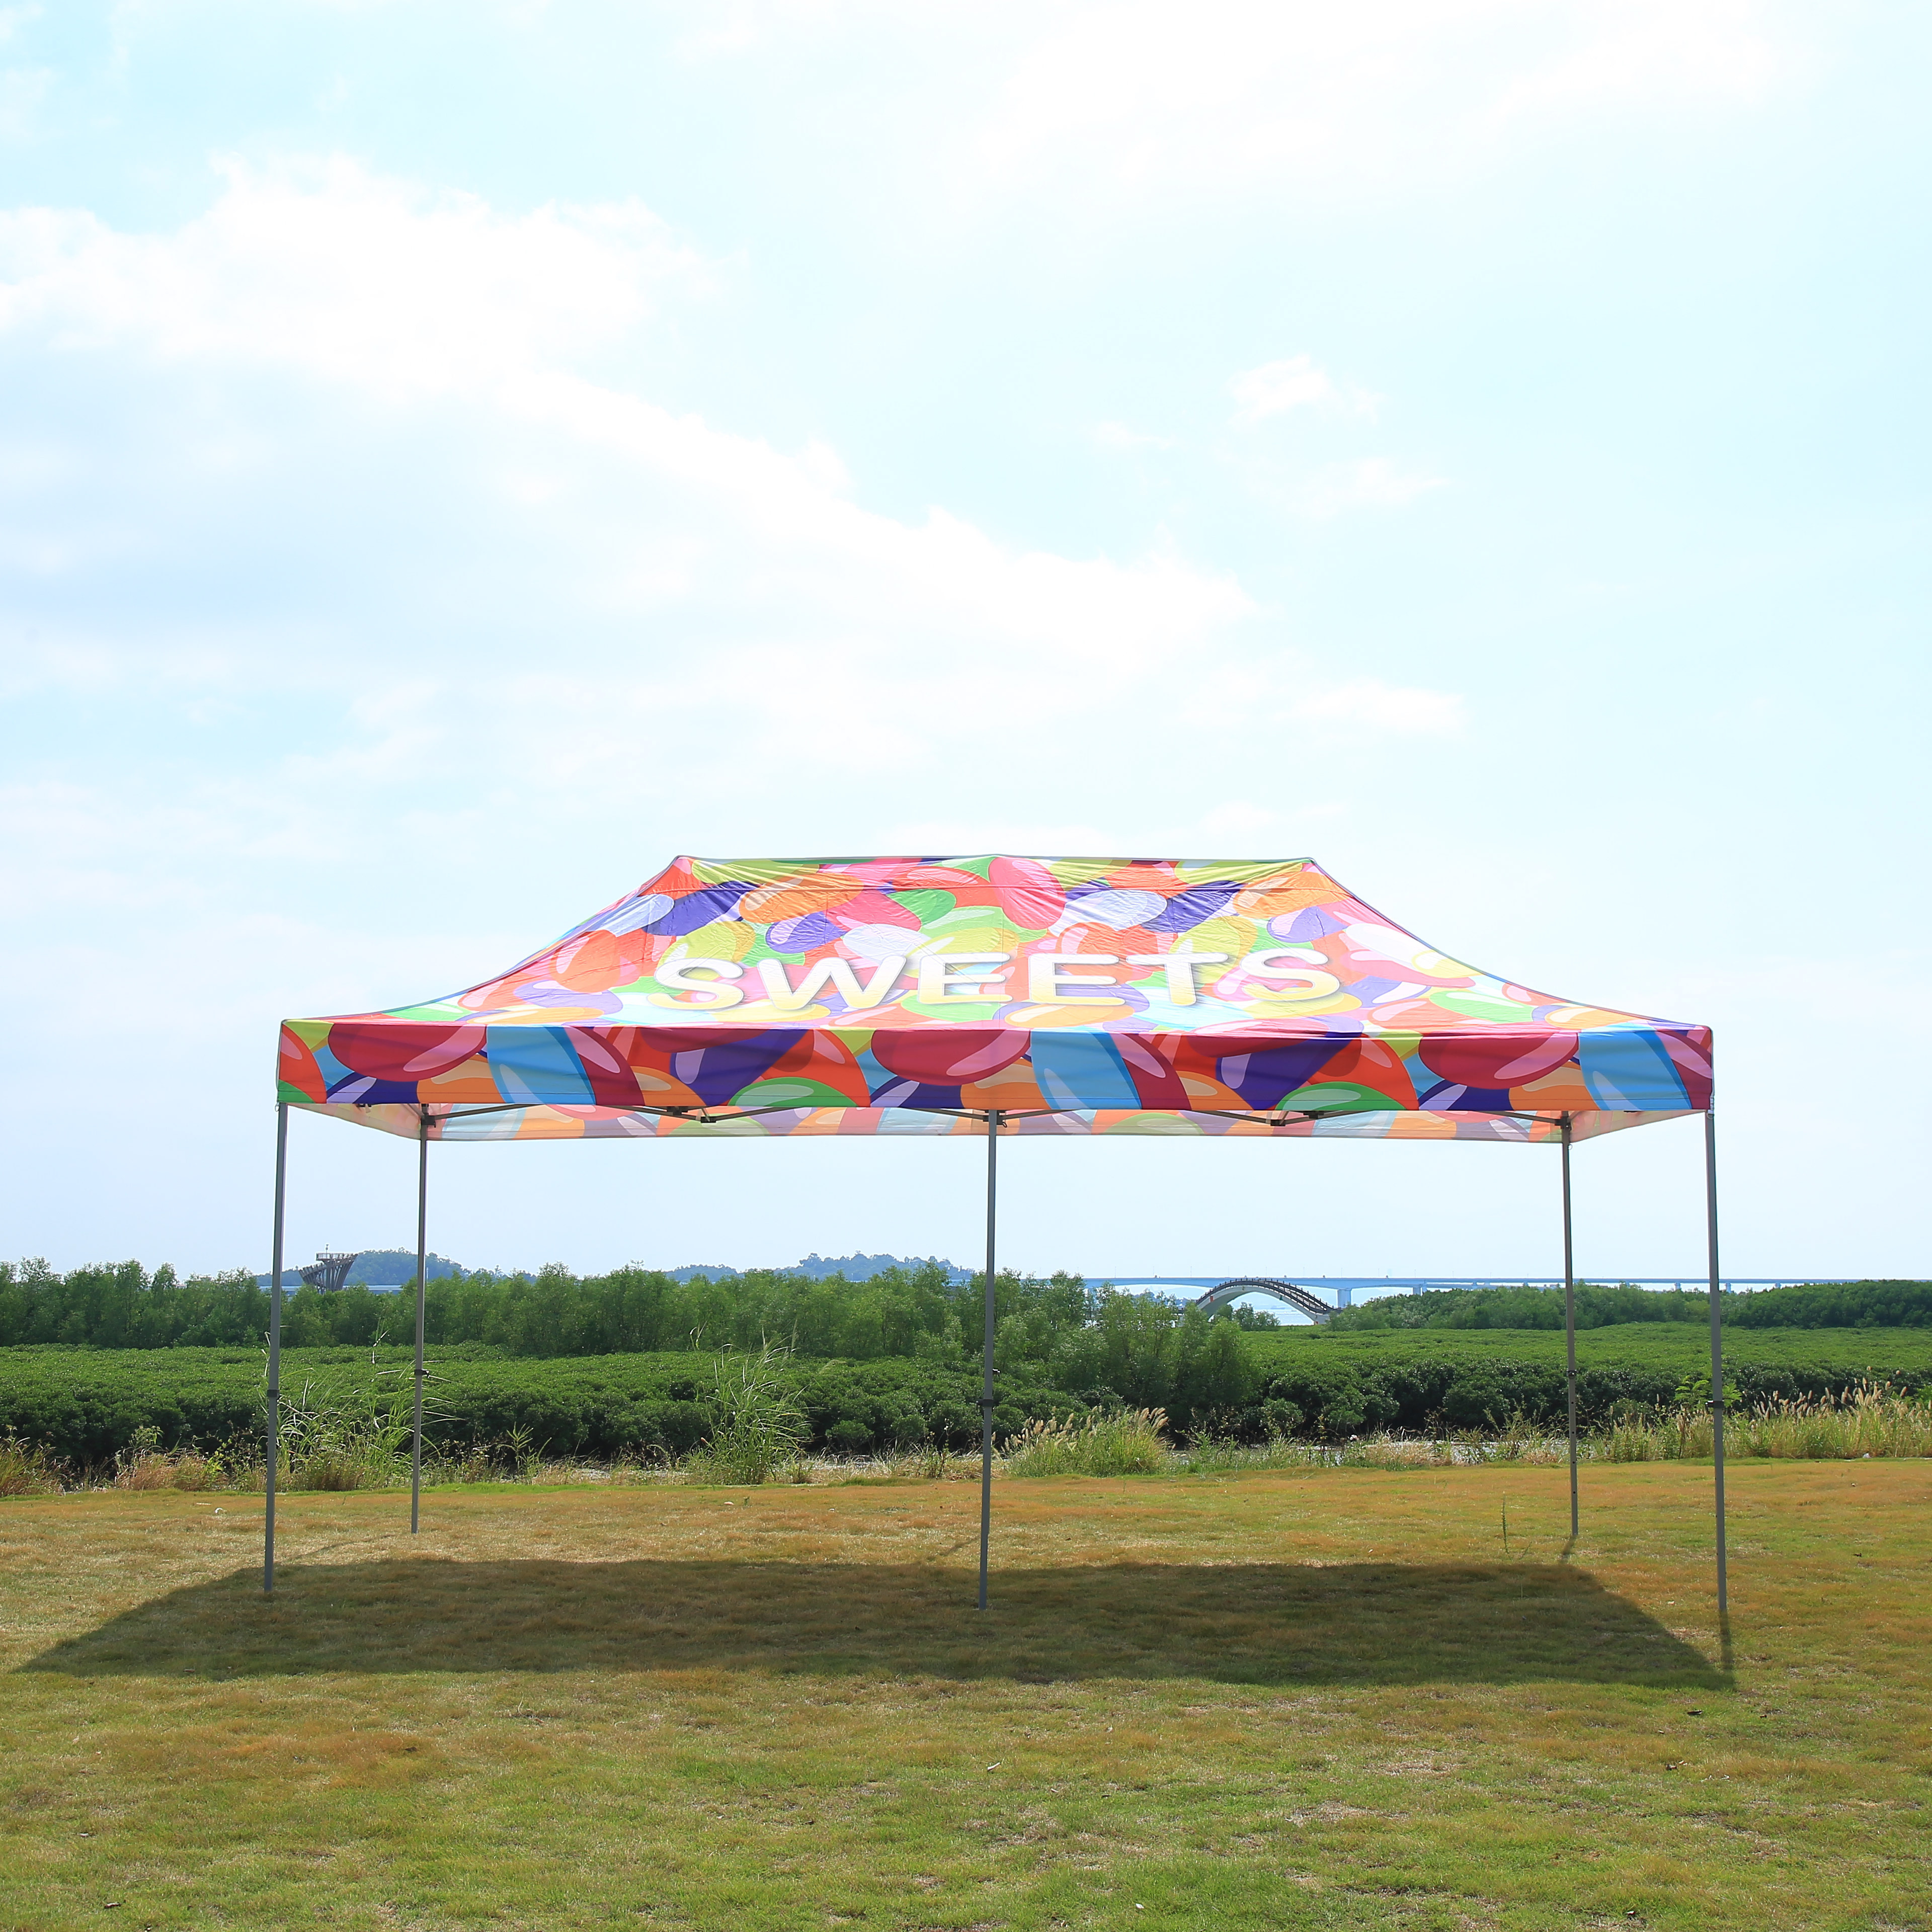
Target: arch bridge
point(1286, 1292)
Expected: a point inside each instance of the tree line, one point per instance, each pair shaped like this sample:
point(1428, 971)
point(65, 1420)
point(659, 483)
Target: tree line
point(1057, 1324)
point(1057, 1340)
point(916, 1312)
point(1846, 1304)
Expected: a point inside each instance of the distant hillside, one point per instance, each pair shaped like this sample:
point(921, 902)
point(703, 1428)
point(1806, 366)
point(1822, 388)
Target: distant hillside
point(376, 1267)
point(820, 1267)
point(388, 1267)
point(391, 1267)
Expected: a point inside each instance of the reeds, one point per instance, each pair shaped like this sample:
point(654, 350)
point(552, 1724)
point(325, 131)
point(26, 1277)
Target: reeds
point(1212, 1456)
point(1682, 1434)
point(26, 1469)
point(144, 1465)
point(1870, 1419)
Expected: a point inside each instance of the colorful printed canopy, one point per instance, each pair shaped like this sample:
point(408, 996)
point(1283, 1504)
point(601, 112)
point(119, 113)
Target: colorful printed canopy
point(897, 996)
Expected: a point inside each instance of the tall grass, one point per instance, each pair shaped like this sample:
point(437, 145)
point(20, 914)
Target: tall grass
point(1871, 1420)
point(144, 1464)
point(1127, 1444)
point(346, 1435)
point(1683, 1434)
point(756, 1425)
point(26, 1468)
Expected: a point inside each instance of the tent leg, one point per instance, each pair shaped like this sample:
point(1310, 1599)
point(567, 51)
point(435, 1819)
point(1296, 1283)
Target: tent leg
point(1570, 1322)
point(422, 1288)
point(275, 1343)
point(986, 1380)
point(1716, 1352)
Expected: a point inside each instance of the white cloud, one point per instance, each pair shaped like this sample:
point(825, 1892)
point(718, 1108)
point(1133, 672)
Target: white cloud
point(23, 91)
point(1238, 821)
point(1119, 438)
point(1294, 383)
point(333, 471)
point(1122, 108)
point(361, 522)
point(1276, 696)
point(1156, 98)
point(1373, 482)
point(1369, 704)
point(971, 831)
point(448, 320)
point(322, 268)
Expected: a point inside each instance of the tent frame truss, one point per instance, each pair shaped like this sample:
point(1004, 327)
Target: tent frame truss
point(995, 1118)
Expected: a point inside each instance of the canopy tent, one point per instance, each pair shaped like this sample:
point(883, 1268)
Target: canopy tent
point(1089, 995)
point(996, 995)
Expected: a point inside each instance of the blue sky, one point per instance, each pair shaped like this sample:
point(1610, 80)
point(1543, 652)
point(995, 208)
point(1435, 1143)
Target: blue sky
point(454, 457)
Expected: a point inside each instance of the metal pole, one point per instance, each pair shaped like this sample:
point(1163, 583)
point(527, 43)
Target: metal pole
point(275, 1343)
point(1717, 1350)
point(1569, 1322)
point(422, 1286)
point(986, 1382)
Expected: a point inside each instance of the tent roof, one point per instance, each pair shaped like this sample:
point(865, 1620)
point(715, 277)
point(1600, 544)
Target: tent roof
point(899, 995)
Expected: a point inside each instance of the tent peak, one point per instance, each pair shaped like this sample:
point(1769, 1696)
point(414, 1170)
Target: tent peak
point(1036, 858)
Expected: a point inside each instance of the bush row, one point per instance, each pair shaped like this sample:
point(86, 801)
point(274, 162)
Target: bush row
point(1335, 1401)
point(87, 1405)
point(1847, 1304)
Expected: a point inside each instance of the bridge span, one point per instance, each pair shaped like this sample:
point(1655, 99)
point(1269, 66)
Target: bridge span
point(1325, 1292)
point(1287, 1292)
point(1316, 1296)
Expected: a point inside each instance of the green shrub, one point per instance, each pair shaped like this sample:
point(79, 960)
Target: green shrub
point(1846, 1304)
point(1843, 1304)
point(84, 1406)
point(1279, 1419)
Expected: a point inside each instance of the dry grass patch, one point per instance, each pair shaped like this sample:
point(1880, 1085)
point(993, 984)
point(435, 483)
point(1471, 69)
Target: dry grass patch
point(1319, 1699)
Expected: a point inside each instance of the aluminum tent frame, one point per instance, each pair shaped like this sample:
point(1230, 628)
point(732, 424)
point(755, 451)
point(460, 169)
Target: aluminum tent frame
point(1321, 1018)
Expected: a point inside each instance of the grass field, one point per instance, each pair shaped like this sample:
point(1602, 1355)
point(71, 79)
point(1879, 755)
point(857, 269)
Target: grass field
point(1321, 1698)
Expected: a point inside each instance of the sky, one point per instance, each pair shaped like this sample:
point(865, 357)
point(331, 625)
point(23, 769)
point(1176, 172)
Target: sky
point(454, 457)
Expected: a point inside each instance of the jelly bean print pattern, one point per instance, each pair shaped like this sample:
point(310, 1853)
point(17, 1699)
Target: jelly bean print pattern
point(893, 995)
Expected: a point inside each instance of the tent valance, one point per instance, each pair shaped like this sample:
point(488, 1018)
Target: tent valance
point(875, 996)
